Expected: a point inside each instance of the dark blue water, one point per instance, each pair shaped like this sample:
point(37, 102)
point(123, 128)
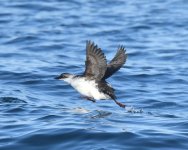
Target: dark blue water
point(41, 39)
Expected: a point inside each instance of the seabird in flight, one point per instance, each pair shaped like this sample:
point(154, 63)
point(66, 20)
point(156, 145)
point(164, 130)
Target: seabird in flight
point(92, 84)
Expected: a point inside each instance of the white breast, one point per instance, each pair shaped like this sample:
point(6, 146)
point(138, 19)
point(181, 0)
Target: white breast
point(88, 88)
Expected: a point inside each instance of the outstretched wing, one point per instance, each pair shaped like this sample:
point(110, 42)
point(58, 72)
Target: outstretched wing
point(116, 63)
point(96, 64)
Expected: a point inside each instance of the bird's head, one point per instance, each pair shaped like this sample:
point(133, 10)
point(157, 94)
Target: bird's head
point(65, 76)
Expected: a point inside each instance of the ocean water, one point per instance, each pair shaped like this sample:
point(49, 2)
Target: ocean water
point(41, 39)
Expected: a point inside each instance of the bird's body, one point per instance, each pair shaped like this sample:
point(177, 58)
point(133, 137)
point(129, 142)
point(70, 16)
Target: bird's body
point(87, 88)
point(92, 83)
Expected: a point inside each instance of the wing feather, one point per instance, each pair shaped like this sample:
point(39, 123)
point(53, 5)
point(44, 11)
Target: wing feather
point(96, 63)
point(116, 63)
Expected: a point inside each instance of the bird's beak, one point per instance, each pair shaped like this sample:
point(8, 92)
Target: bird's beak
point(61, 77)
point(58, 77)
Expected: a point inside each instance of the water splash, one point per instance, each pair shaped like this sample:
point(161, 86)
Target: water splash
point(131, 109)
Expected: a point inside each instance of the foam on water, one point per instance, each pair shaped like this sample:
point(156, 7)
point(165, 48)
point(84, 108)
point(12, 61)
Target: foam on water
point(133, 110)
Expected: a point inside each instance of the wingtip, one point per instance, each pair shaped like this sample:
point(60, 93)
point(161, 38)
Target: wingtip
point(121, 48)
point(89, 41)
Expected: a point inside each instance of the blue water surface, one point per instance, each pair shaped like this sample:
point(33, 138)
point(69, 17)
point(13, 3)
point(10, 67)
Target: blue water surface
point(41, 39)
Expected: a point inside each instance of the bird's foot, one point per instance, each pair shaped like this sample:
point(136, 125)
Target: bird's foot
point(88, 98)
point(120, 104)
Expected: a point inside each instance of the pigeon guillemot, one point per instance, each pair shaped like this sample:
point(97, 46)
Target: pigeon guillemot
point(91, 84)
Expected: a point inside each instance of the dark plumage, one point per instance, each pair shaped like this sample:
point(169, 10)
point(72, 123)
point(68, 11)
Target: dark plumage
point(95, 63)
point(116, 63)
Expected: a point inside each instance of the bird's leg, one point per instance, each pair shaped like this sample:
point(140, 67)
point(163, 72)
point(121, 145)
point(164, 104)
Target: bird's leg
point(120, 104)
point(88, 98)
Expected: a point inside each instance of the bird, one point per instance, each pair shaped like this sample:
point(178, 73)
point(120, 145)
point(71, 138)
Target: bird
point(92, 84)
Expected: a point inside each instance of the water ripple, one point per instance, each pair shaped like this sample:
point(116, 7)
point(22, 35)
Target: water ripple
point(10, 100)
